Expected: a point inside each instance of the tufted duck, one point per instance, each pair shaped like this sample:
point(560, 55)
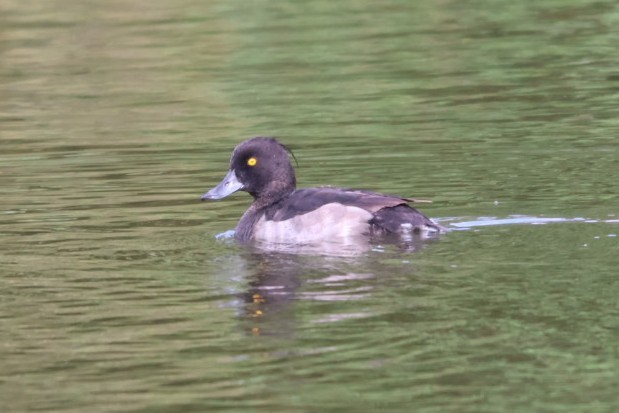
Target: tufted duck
point(281, 213)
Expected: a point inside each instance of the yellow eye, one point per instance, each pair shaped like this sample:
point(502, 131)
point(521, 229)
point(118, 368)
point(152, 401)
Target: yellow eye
point(252, 161)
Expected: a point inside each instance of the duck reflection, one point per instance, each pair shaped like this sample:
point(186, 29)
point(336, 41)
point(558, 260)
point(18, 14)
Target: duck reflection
point(278, 281)
point(271, 289)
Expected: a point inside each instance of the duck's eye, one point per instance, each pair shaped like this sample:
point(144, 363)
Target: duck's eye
point(252, 161)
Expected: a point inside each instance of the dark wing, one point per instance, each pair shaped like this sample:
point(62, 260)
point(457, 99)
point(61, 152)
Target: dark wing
point(306, 200)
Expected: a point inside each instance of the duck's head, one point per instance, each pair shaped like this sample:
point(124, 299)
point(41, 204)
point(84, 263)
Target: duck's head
point(260, 166)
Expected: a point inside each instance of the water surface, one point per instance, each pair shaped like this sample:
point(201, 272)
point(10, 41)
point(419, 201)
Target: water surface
point(115, 294)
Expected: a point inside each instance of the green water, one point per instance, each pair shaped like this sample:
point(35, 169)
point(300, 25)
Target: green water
point(115, 117)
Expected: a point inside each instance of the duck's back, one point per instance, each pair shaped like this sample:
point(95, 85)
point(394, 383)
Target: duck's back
point(338, 215)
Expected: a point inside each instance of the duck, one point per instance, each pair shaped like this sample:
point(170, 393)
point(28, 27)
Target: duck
point(281, 213)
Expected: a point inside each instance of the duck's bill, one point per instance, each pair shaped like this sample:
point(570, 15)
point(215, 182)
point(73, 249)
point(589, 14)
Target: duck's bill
point(229, 185)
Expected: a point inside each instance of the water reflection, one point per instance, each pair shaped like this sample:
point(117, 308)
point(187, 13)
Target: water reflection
point(273, 281)
point(280, 277)
point(278, 283)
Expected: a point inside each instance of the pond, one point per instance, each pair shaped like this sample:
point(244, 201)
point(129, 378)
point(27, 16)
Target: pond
point(116, 294)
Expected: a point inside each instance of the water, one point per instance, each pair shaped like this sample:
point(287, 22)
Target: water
point(115, 294)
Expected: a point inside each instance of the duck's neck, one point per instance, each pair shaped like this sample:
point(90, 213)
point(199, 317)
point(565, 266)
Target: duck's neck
point(245, 228)
point(274, 194)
